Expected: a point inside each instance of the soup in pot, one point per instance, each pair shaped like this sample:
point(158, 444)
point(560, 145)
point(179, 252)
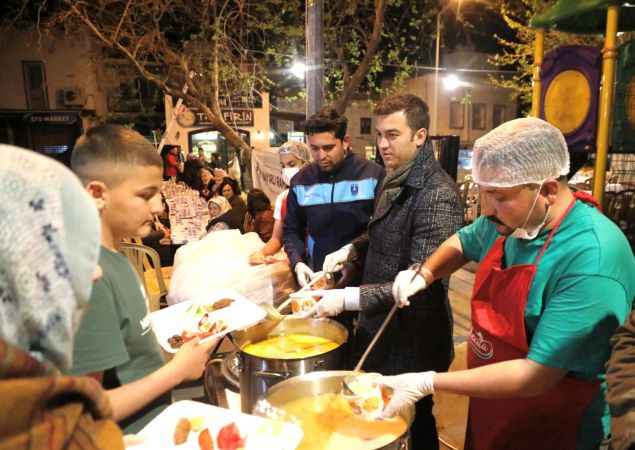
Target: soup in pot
point(329, 423)
point(291, 346)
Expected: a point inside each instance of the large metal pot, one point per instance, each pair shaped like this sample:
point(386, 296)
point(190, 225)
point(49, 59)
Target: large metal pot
point(317, 383)
point(258, 374)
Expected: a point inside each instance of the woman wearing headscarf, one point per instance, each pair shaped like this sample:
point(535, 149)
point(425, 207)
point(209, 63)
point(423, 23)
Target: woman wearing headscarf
point(293, 156)
point(217, 207)
point(49, 245)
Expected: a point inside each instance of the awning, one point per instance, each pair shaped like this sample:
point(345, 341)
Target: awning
point(584, 16)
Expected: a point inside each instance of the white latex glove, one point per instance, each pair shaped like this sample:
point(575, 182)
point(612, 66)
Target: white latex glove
point(408, 388)
point(404, 285)
point(334, 261)
point(304, 273)
point(334, 302)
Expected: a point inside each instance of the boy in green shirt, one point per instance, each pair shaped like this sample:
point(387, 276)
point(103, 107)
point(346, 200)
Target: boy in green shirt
point(115, 344)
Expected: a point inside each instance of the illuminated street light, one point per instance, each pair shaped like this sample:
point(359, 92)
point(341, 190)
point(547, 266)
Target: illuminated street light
point(298, 70)
point(451, 82)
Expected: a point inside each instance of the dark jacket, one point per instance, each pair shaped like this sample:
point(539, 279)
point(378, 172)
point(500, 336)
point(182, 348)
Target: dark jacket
point(620, 377)
point(425, 213)
point(328, 209)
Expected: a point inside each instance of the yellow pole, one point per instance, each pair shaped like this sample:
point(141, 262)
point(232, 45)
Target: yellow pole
point(537, 83)
point(609, 55)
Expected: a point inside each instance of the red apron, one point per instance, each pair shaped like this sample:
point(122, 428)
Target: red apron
point(550, 421)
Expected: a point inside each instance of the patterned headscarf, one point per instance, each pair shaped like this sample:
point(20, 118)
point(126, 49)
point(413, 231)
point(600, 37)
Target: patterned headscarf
point(49, 245)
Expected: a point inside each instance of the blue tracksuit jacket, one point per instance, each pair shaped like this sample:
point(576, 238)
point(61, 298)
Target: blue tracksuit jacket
point(326, 210)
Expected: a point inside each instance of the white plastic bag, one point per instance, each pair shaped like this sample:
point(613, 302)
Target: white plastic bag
point(221, 260)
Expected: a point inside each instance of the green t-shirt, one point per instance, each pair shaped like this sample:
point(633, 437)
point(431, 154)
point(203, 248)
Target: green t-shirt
point(583, 290)
point(115, 332)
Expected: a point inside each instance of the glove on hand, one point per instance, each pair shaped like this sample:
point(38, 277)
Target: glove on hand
point(334, 261)
point(334, 301)
point(405, 286)
point(408, 388)
point(304, 274)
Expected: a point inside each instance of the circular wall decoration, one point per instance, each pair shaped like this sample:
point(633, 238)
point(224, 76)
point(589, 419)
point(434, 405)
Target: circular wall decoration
point(567, 100)
point(186, 119)
point(629, 102)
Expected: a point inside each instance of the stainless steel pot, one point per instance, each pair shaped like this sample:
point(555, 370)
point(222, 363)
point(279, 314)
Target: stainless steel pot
point(258, 374)
point(317, 383)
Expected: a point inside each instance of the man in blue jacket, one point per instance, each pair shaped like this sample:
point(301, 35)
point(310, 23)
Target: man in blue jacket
point(330, 201)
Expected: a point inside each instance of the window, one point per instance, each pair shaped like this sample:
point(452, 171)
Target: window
point(456, 114)
point(478, 116)
point(35, 85)
point(498, 115)
point(364, 125)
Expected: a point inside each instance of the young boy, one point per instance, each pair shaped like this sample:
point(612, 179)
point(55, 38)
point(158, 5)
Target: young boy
point(115, 344)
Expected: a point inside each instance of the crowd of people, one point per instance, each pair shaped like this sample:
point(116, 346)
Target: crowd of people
point(554, 288)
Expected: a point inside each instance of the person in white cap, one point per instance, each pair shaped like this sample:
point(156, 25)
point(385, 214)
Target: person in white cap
point(554, 282)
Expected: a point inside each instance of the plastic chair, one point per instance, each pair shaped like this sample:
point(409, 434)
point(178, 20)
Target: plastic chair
point(620, 208)
point(147, 263)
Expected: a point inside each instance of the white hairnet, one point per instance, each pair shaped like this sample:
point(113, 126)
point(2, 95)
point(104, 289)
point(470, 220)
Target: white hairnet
point(521, 151)
point(298, 149)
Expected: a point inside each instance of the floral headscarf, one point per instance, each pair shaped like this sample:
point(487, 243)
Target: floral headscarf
point(49, 245)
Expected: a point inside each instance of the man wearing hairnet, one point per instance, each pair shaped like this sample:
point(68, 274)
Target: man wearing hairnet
point(554, 282)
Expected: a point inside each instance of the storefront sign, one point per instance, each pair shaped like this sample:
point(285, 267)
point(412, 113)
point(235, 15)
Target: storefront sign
point(266, 173)
point(51, 118)
point(233, 117)
point(239, 117)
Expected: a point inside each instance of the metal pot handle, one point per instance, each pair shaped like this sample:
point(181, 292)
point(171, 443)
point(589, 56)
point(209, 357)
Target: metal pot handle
point(266, 373)
point(229, 377)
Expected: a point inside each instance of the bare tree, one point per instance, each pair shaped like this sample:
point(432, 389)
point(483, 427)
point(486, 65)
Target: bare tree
point(204, 45)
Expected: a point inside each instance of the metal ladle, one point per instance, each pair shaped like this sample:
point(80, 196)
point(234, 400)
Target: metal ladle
point(380, 331)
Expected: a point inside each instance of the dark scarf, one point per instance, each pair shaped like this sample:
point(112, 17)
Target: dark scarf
point(391, 186)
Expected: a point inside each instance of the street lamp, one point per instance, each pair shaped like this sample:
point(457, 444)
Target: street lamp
point(437, 54)
point(298, 70)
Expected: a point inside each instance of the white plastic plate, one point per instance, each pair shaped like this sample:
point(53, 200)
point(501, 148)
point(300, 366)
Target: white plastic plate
point(259, 433)
point(172, 320)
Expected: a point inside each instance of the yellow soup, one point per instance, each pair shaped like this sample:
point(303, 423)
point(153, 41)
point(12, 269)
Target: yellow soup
point(291, 346)
point(329, 424)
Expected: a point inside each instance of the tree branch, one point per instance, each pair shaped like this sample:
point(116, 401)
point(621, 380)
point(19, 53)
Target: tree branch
point(362, 69)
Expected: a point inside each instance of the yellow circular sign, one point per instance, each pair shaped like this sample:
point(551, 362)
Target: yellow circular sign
point(629, 102)
point(568, 100)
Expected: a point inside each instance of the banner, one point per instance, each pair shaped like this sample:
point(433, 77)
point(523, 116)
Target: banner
point(266, 172)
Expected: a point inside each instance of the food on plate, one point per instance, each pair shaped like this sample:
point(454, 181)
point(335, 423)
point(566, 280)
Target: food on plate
point(290, 346)
point(222, 303)
point(302, 304)
point(206, 327)
point(229, 438)
point(329, 423)
point(199, 309)
point(182, 431)
point(205, 440)
point(197, 423)
point(321, 283)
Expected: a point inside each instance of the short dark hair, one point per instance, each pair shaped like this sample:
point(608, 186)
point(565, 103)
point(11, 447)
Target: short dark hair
point(232, 183)
point(257, 201)
point(415, 110)
point(327, 120)
point(105, 151)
